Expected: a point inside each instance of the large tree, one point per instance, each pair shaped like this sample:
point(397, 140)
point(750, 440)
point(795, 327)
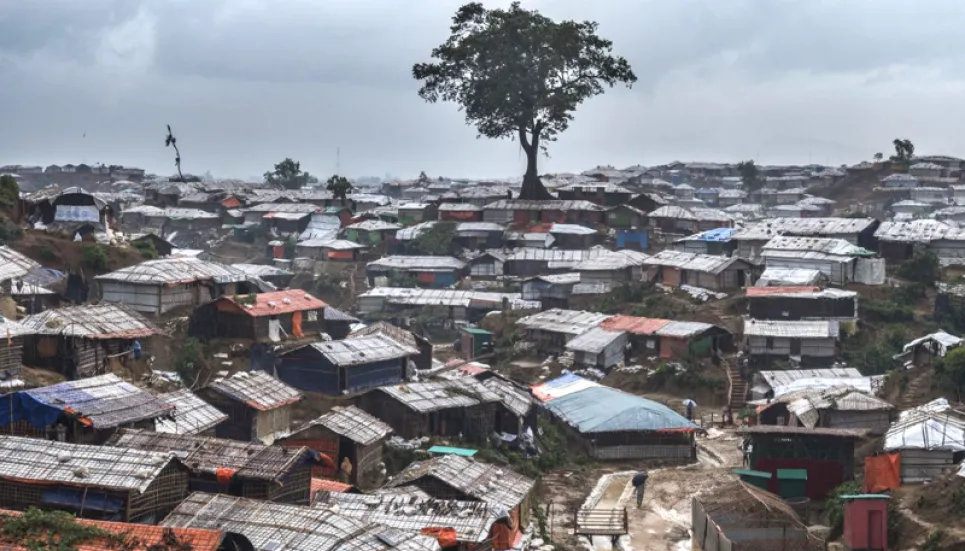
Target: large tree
point(340, 186)
point(904, 150)
point(751, 179)
point(518, 74)
point(289, 174)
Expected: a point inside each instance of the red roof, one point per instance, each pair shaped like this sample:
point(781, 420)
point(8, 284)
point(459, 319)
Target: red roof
point(279, 302)
point(634, 324)
point(142, 536)
point(764, 291)
point(231, 203)
point(321, 484)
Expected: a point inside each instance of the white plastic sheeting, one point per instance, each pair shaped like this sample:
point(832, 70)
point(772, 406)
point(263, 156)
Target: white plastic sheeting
point(863, 384)
point(870, 271)
point(77, 213)
point(933, 426)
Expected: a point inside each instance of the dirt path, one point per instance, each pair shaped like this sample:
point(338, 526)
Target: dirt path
point(664, 521)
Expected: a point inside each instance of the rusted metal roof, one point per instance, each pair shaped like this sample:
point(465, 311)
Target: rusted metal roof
point(633, 324)
point(278, 302)
point(257, 390)
point(92, 321)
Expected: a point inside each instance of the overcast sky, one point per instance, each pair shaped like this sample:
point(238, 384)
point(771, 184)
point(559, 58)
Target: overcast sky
point(245, 83)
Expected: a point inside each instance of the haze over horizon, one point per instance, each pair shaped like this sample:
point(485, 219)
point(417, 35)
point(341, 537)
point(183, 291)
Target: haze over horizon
point(246, 83)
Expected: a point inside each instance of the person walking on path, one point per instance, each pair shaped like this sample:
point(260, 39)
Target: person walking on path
point(639, 483)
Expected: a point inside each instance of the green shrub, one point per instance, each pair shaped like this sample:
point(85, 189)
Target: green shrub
point(9, 232)
point(923, 267)
point(95, 257)
point(885, 311)
point(46, 254)
point(147, 249)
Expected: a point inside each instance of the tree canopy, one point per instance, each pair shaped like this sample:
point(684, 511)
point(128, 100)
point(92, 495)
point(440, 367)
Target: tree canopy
point(340, 186)
point(289, 174)
point(751, 178)
point(518, 74)
point(904, 150)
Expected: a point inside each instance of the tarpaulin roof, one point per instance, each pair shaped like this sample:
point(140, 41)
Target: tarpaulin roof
point(279, 302)
point(932, 426)
point(598, 408)
point(105, 401)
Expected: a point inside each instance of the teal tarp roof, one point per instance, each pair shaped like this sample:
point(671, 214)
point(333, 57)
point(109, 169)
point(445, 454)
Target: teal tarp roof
point(605, 409)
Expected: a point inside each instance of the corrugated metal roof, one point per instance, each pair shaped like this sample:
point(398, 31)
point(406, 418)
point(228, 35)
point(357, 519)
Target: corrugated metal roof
point(515, 399)
point(791, 329)
point(779, 378)
point(429, 396)
point(352, 423)
point(471, 520)
point(557, 255)
point(459, 207)
point(493, 484)
point(397, 334)
point(557, 279)
point(450, 297)
point(913, 231)
point(105, 400)
point(284, 208)
point(594, 340)
point(373, 225)
point(170, 271)
point(280, 527)
point(683, 329)
point(470, 227)
point(615, 260)
point(788, 290)
point(257, 390)
point(551, 204)
point(192, 415)
point(278, 302)
point(803, 431)
point(334, 314)
point(14, 265)
point(93, 321)
point(692, 261)
point(261, 270)
point(205, 454)
point(417, 263)
point(40, 461)
point(822, 245)
point(804, 227)
point(695, 213)
point(571, 322)
point(413, 232)
point(363, 350)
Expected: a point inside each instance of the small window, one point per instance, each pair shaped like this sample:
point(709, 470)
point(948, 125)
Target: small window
point(769, 344)
point(312, 315)
point(651, 344)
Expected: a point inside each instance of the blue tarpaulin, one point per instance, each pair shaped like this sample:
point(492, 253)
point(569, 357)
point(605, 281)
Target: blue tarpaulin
point(25, 407)
point(719, 235)
point(605, 409)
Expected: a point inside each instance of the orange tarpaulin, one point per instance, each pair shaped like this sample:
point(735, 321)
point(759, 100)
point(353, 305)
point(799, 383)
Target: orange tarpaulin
point(882, 472)
point(224, 475)
point(446, 536)
point(297, 324)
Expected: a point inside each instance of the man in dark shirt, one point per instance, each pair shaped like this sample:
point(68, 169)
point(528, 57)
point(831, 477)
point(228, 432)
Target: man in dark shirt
point(639, 483)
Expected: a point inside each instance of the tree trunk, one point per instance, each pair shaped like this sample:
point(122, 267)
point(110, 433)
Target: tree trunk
point(533, 188)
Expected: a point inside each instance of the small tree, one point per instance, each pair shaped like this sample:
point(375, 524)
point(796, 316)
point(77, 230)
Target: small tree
point(923, 267)
point(439, 240)
point(750, 175)
point(951, 372)
point(288, 173)
point(518, 74)
point(339, 186)
point(904, 150)
point(879, 157)
point(9, 191)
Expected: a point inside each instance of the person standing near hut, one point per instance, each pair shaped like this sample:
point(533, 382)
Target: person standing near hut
point(639, 484)
point(346, 470)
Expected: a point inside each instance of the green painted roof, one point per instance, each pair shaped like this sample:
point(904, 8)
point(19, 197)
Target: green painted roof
point(750, 472)
point(476, 331)
point(446, 450)
point(792, 474)
point(866, 496)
